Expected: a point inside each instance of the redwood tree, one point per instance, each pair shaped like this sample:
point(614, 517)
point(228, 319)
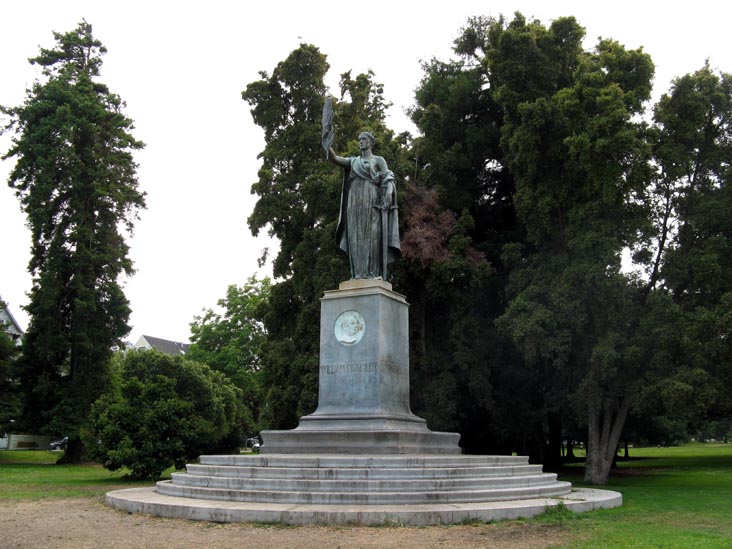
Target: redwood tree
point(76, 180)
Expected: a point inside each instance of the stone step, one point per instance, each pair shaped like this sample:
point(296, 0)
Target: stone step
point(554, 489)
point(151, 502)
point(337, 479)
point(367, 485)
point(356, 473)
point(364, 461)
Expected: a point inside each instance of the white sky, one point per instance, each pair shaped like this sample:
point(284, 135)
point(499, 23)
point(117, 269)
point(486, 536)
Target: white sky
point(181, 68)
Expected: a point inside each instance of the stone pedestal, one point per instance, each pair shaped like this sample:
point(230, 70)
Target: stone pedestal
point(363, 401)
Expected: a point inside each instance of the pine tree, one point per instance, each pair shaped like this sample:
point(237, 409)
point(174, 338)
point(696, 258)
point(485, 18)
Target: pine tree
point(76, 180)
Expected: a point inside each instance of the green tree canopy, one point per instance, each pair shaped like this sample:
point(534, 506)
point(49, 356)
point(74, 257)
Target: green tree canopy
point(164, 411)
point(534, 172)
point(76, 180)
point(231, 342)
point(690, 256)
point(580, 163)
point(298, 197)
point(538, 140)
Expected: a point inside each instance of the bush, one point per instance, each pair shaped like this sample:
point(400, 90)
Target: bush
point(165, 411)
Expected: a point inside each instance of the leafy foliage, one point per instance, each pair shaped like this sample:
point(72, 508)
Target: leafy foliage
point(543, 145)
point(691, 255)
point(298, 196)
point(75, 179)
point(231, 343)
point(534, 172)
point(579, 162)
point(165, 411)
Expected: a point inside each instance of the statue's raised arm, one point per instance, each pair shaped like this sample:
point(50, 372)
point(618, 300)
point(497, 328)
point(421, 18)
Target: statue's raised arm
point(368, 225)
point(328, 135)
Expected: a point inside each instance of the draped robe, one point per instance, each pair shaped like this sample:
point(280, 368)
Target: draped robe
point(359, 233)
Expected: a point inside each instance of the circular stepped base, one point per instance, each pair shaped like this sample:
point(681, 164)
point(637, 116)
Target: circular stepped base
point(363, 480)
point(148, 501)
point(376, 489)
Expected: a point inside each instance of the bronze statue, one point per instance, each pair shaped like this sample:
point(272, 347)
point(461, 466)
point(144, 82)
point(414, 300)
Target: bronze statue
point(368, 225)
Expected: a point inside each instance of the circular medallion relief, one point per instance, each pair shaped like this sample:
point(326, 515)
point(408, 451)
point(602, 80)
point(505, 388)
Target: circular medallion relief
point(349, 327)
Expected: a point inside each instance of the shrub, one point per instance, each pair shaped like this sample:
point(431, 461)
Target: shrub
point(165, 411)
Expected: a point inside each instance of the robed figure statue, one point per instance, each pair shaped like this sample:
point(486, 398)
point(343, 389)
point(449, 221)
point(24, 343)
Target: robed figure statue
point(368, 224)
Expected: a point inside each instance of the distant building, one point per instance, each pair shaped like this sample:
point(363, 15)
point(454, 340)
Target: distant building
point(172, 348)
point(9, 324)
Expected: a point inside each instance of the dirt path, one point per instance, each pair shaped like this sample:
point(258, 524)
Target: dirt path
point(87, 522)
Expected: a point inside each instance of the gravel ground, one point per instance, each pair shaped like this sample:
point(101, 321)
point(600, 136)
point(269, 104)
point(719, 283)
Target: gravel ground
point(87, 522)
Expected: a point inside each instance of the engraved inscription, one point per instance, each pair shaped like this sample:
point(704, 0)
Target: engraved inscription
point(390, 365)
point(349, 368)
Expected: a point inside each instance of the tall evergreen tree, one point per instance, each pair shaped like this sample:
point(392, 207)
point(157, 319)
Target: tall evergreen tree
point(458, 214)
point(298, 197)
point(76, 180)
point(694, 153)
point(581, 166)
point(462, 110)
point(537, 138)
point(689, 260)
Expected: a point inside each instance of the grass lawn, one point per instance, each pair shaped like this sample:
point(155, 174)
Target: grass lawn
point(672, 497)
point(33, 474)
point(677, 497)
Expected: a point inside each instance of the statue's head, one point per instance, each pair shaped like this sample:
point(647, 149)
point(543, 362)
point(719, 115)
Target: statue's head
point(369, 136)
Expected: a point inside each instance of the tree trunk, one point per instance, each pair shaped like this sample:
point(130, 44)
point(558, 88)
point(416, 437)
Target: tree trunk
point(75, 452)
point(605, 425)
point(423, 324)
point(553, 456)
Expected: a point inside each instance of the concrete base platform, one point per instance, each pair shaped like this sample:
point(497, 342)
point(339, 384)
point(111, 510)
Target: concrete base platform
point(148, 501)
point(368, 489)
point(353, 442)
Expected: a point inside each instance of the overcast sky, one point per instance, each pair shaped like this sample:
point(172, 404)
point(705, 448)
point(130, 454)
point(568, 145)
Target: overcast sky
point(181, 68)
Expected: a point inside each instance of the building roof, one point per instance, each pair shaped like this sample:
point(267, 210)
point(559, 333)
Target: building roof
point(11, 325)
point(172, 348)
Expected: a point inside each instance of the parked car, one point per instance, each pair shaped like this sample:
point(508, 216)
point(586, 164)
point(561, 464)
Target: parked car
point(59, 444)
point(253, 443)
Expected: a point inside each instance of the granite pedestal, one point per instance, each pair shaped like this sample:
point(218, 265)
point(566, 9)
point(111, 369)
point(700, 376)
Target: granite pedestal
point(363, 400)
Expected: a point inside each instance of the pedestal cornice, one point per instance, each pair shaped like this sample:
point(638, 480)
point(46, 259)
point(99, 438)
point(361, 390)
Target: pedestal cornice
point(363, 287)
